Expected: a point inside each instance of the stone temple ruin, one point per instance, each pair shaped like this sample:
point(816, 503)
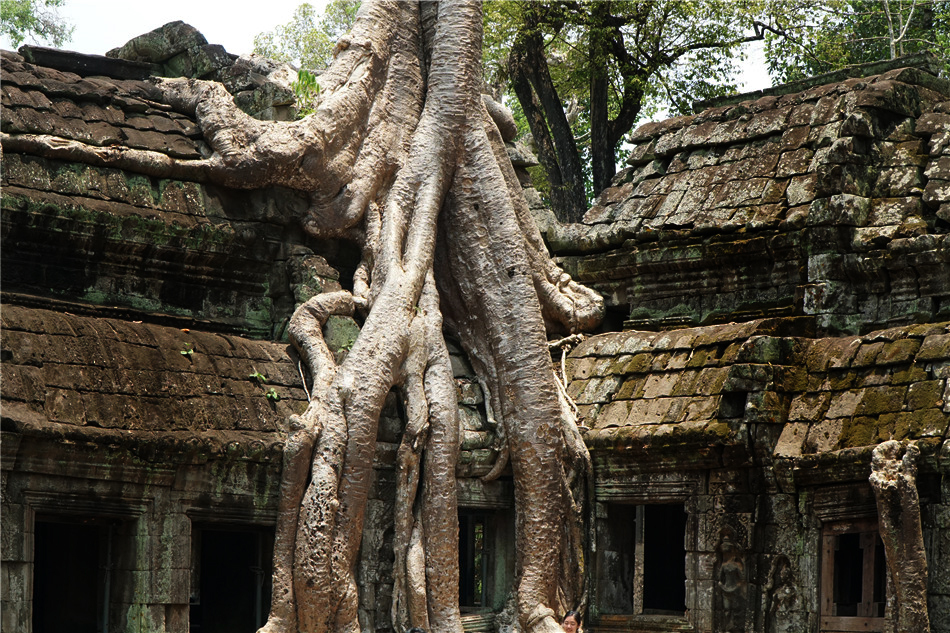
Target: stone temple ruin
point(777, 274)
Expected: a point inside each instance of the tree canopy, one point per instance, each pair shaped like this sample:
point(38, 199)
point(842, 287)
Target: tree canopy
point(833, 34)
point(36, 20)
point(585, 72)
point(307, 41)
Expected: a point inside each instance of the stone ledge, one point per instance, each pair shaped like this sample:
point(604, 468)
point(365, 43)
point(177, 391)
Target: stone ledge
point(926, 64)
point(88, 65)
point(20, 425)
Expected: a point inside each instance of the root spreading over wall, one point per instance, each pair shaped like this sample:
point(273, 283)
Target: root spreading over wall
point(402, 156)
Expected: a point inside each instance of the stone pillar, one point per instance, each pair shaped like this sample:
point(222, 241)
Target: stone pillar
point(171, 569)
point(153, 573)
point(16, 577)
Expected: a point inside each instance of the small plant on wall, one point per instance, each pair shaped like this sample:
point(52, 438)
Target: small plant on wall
point(306, 90)
point(271, 394)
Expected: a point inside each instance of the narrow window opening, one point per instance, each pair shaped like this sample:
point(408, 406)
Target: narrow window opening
point(848, 574)
point(853, 577)
point(472, 560)
point(641, 561)
point(664, 559)
point(733, 404)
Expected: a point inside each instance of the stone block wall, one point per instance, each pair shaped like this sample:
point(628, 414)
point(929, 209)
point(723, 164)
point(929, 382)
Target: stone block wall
point(764, 433)
point(102, 235)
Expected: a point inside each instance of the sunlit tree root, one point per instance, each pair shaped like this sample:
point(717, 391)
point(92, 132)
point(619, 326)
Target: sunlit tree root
point(490, 298)
point(400, 343)
point(403, 155)
point(306, 330)
point(894, 480)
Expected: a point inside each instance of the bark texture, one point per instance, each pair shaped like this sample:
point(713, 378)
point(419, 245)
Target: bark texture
point(402, 155)
point(544, 112)
point(894, 480)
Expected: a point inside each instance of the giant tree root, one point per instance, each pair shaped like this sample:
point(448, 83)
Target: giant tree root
point(402, 155)
point(445, 232)
point(894, 480)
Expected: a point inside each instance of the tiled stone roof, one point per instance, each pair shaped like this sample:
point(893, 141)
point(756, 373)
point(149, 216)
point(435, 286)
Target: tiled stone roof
point(116, 374)
point(832, 202)
point(708, 388)
point(97, 111)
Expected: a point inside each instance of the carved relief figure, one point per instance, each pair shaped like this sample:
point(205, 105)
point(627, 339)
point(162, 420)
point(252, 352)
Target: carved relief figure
point(731, 582)
point(779, 593)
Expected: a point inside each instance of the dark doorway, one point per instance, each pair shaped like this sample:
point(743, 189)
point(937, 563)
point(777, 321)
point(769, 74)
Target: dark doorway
point(71, 567)
point(231, 580)
point(664, 559)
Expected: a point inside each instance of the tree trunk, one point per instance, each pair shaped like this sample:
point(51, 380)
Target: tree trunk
point(560, 194)
point(894, 480)
point(545, 113)
point(602, 152)
point(401, 155)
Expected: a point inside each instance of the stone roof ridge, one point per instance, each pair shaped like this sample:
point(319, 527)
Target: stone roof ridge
point(633, 341)
point(924, 343)
point(160, 44)
point(925, 61)
point(88, 65)
point(261, 87)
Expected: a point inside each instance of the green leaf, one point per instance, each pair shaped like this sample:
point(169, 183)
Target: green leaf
point(306, 89)
point(37, 20)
